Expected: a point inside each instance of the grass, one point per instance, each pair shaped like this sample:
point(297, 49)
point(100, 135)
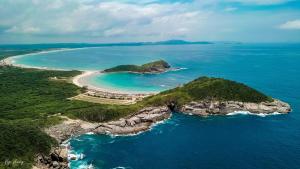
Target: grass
point(100, 100)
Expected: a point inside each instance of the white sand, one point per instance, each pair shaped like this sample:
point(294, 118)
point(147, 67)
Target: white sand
point(82, 80)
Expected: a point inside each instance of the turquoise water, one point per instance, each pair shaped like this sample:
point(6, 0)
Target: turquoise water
point(132, 82)
point(242, 62)
point(191, 142)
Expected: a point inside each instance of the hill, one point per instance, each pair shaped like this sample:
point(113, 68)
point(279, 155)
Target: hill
point(206, 88)
point(152, 67)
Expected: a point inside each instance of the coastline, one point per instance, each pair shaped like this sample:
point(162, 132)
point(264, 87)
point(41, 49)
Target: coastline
point(82, 81)
point(10, 60)
point(79, 80)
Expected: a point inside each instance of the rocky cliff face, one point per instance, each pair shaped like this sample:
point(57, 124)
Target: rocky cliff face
point(205, 108)
point(140, 121)
point(57, 159)
point(143, 120)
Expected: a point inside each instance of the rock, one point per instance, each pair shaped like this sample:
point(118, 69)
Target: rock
point(139, 121)
point(204, 108)
point(72, 157)
point(54, 157)
point(55, 164)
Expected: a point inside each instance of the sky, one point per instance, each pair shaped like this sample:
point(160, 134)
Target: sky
point(110, 21)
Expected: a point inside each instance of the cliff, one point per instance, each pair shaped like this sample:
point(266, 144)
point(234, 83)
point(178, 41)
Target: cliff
point(206, 107)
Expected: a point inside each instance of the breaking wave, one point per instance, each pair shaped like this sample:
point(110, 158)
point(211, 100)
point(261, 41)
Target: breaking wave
point(255, 114)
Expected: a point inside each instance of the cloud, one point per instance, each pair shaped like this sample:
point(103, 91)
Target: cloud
point(95, 18)
point(230, 9)
point(145, 20)
point(24, 29)
point(295, 24)
point(261, 2)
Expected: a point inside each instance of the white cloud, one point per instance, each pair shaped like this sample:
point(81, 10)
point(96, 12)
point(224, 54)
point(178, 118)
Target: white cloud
point(295, 24)
point(230, 9)
point(95, 18)
point(261, 2)
point(145, 20)
point(24, 29)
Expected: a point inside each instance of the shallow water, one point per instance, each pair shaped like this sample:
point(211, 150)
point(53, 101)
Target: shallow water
point(191, 142)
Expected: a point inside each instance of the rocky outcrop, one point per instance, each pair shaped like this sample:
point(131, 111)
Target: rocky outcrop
point(138, 122)
point(143, 120)
point(205, 108)
point(69, 128)
point(57, 159)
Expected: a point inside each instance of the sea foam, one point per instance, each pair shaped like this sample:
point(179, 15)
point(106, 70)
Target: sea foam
point(249, 113)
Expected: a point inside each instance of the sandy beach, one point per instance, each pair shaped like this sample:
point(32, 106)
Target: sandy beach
point(11, 60)
point(82, 80)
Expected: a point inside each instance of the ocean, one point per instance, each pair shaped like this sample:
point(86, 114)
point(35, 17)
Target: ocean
point(192, 142)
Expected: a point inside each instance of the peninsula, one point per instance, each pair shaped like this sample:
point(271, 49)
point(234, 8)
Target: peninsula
point(203, 96)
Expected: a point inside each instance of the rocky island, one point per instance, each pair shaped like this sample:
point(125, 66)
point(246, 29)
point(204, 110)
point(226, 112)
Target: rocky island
point(152, 67)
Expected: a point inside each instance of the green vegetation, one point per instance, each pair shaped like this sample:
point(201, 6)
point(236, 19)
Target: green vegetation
point(20, 142)
point(10, 52)
point(156, 66)
point(205, 88)
point(29, 97)
point(30, 94)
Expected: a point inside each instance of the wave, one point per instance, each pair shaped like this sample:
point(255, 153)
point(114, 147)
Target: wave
point(255, 114)
point(84, 165)
point(90, 133)
point(177, 69)
point(121, 167)
point(75, 156)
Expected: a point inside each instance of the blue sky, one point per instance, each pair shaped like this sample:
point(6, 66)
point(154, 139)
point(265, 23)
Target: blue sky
point(100, 21)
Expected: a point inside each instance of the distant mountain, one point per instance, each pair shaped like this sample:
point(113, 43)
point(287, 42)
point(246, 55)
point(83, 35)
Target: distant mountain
point(81, 45)
point(176, 42)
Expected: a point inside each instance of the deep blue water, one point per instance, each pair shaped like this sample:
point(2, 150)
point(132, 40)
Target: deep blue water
point(191, 142)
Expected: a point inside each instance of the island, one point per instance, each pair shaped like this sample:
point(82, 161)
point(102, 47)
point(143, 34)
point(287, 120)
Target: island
point(152, 67)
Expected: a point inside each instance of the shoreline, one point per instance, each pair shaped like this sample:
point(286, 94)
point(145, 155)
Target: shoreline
point(10, 60)
point(82, 81)
point(79, 80)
